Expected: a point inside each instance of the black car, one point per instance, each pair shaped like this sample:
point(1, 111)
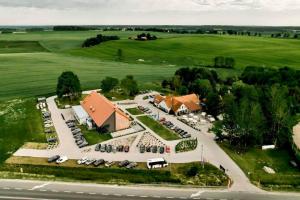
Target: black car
point(85, 143)
point(50, 140)
point(103, 148)
point(124, 163)
point(148, 149)
point(126, 149)
point(99, 162)
point(53, 158)
point(98, 147)
point(154, 149)
point(120, 148)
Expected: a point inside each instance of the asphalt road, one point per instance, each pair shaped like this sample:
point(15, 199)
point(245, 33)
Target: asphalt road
point(38, 190)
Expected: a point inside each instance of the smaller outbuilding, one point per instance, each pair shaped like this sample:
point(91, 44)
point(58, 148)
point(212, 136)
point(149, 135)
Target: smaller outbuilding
point(80, 114)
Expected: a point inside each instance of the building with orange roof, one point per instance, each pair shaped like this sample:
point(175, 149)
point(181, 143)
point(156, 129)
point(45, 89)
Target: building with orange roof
point(178, 105)
point(105, 114)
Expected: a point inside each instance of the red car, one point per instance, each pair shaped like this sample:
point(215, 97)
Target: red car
point(168, 150)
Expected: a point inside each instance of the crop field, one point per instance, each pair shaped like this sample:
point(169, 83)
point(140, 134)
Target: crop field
point(31, 63)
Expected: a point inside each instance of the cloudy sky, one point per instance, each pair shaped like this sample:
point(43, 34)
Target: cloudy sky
point(181, 12)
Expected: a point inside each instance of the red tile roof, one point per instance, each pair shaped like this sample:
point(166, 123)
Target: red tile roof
point(99, 108)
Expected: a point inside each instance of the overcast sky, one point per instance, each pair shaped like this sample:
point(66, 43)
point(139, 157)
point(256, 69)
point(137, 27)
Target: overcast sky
point(173, 12)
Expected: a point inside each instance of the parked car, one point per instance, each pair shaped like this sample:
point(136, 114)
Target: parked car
point(103, 148)
point(168, 149)
point(84, 144)
point(154, 149)
point(98, 162)
point(120, 148)
point(62, 159)
point(51, 140)
point(53, 158)
point(90, 161)
point(82, 160)
point(131, 165)
point(148, 149)
point(98, 147)
point(109, 148)
point(142, 149)
point(161, 150)
point(126, 149)
point(109, 163)
point(124, 163)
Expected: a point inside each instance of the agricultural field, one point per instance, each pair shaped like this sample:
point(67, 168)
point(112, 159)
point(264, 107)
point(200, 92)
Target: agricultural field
point(46, 55)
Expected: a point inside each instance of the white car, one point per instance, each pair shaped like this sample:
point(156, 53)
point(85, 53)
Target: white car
point(82, 161)
point(62, 159)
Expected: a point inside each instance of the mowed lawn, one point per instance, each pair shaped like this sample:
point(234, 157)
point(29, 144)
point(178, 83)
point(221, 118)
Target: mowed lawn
point(158, 128)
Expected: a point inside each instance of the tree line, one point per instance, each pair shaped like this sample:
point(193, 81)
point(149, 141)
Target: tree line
point(68, 85)
point(93, 41)
point(258, 107)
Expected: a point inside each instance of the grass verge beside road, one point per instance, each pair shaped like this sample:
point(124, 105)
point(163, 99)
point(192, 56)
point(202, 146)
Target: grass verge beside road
point(134, 111)
point(252, 162)
point(158, 128)
point(183, 174)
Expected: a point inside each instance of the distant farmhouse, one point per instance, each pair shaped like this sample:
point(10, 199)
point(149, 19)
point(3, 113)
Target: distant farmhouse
point(178, 105)
point(101, 114)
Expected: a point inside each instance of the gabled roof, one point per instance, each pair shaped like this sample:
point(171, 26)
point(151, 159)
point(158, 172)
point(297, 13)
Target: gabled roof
point(158, 98)
point(191, 101)
point(99, 108)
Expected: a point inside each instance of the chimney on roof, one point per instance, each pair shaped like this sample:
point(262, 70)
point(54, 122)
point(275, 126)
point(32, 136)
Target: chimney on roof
point(91, 107)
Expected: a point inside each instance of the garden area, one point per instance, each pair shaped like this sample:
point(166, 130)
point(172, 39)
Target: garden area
point(286, 176)
point(186, 145)
point(158, 128)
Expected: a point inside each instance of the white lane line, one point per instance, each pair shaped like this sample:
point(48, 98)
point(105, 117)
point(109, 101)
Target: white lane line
point(131, 195)
point(43, 190)
point(22, 198)
point(92, 193)
point(182, 197)
point(67, 191)
point(144, 196)
point(104, 194)
point(118, 195)
point(170, 197)
point(54, 191)
point(156, 196)
point(40, 186)
point(79, 192)
point(18, 189)
point(6, 188)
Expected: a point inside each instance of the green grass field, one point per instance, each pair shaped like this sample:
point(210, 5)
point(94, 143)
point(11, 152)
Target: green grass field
point(33, 72)
point(134, 111)
point(158, 128)
point(20, 122)
point(253, 161)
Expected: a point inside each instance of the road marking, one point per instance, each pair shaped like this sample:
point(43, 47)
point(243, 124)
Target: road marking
point(18, 189)
point(104, 194)
point(6, 188)
point(67, 191)
point(130, 195)
point(43, 190)
point(196, 194)
point(144, 196)
point(40, 186)
point(79, 192)
point(182, 197)
point(156, 196)
point(170, 197)
point(22, 198)
point(54, 191)
point(92, 193)
point(118, 195)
